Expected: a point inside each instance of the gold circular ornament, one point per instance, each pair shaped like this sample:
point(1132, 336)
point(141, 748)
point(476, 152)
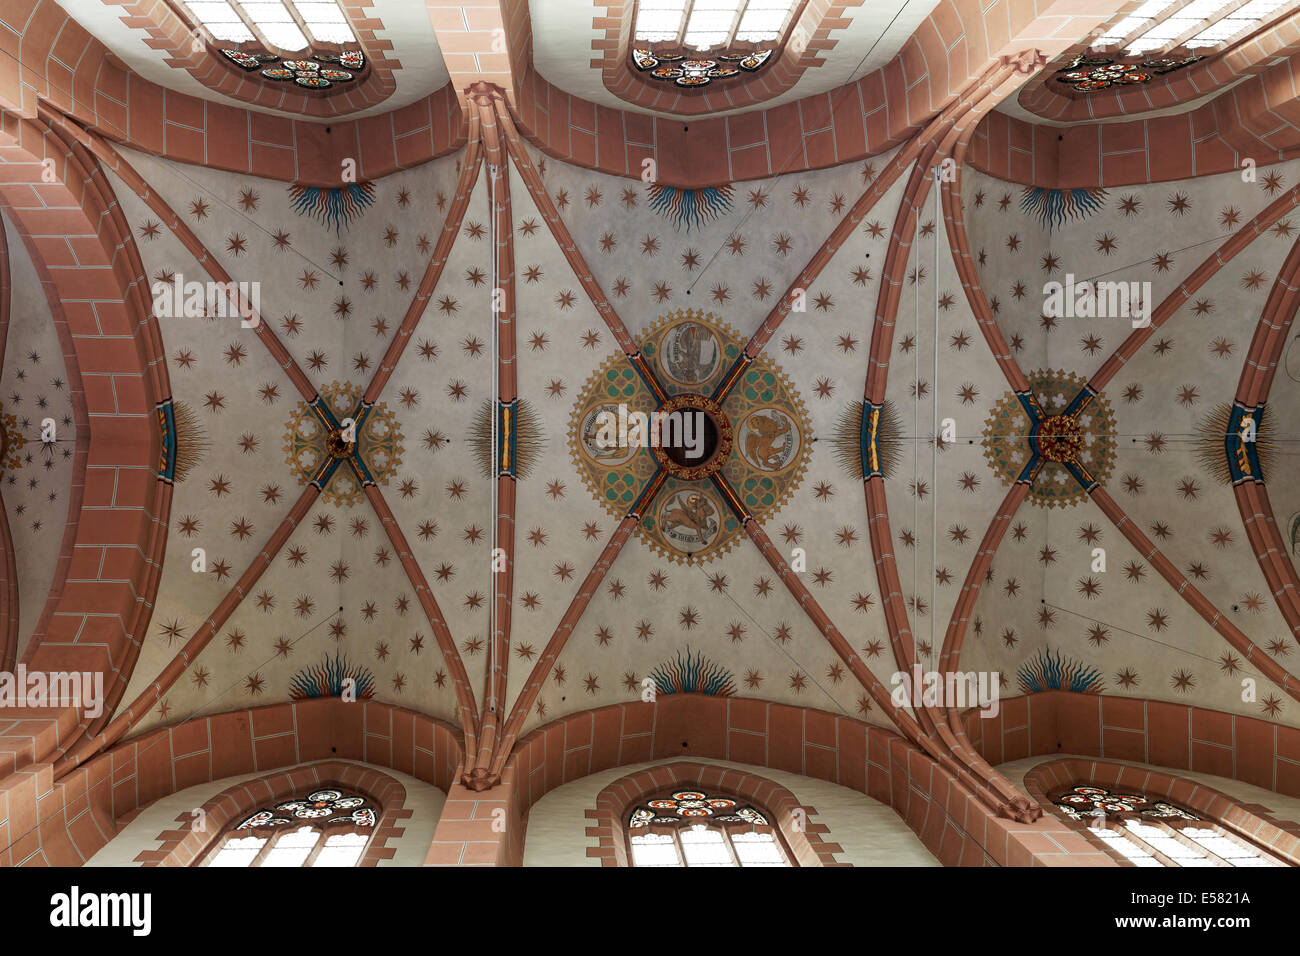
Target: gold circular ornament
point(309, 444)
point(759, 438)
point(1085, 437)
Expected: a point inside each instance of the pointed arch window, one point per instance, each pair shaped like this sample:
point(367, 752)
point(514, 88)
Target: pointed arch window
point(307, 43)
point(1162, 36)
point(1153, 832)
point(328, 827)
point(289, 25)
point(692, 43)
point(689, 827)
point(1159, 26)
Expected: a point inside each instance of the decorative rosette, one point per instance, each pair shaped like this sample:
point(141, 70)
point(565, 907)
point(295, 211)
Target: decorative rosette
point(248, 61)
point(318, 72)
point(1088, 74)
point(323, 805)
point(691, 72)
point(685, 806)
point(1080, 803)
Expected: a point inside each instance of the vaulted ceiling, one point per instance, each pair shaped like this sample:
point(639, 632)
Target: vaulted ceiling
point(503, 215)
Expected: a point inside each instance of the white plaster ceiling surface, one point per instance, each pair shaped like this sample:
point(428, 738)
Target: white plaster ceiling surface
point(1127, 622)
point(34, 386)
point(335, 300)
point(733, 609)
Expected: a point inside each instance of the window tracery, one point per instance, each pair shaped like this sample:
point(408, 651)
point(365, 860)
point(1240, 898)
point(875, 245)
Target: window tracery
point(692, 44)
point(303, 42)
point(1088, 73)
point(1153, 832)
point(328, 827)
point(693, 827)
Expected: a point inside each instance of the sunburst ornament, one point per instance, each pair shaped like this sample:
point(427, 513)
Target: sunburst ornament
point(868, 440)
point(1233, 443)
point(1052, 207)
point(375, 446)
point(1049, 669)
point(332, 677)
point(332, 206)
point(692, 208)
point(184, 441)
point(520, 439)
point(693, 674)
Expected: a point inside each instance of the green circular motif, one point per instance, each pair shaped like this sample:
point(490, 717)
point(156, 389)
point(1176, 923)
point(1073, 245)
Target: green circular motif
point(691, 352)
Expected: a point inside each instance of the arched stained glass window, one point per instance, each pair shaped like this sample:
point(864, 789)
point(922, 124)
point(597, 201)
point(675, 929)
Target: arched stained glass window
point(692, 44)
point(290, 25)
point(1154, 832)
point(698, 828)
point(1161, 36)
point(318, 45)
point(327, 827)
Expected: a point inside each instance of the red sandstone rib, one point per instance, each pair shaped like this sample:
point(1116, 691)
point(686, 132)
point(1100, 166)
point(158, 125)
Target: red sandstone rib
point(1202, 274)
point(956, 633)
point(993, 787)
point(1257, 373)
point(959, 244)
point(441, 633)
point(921, 153)
point(533, 181)
point(116, 162)
point(470, 164)
point(1194, 598)
point(590, 585)
point(151, 343)
point(1270, 550)
point(141, 706)
point(494, 680)
point(942, 133)
point(996, 792)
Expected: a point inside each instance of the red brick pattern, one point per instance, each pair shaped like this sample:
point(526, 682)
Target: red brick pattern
point(10, 637)
point(957, 41)
point(488, 829)
point(111, 569)
point(470, 37)
point(1178, 736)
point(1258, 119)
point(815, 22)
point(63, 823)
point(81, 444)
point(186, 845)
point(172, 33)
point(53, 62)
point(1281, 837)
point(1248, 57)
point(56, 60)
point(782, 808)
